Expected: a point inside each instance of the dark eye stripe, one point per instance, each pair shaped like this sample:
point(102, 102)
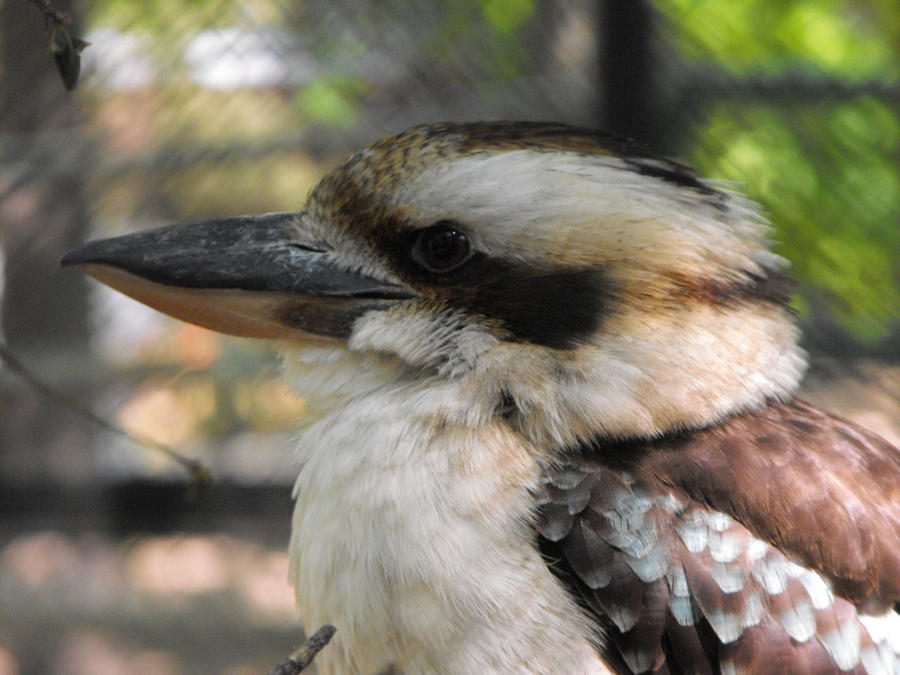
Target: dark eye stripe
point(557, 308)
point(553, 308)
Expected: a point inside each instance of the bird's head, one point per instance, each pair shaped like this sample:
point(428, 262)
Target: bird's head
point(562, 279)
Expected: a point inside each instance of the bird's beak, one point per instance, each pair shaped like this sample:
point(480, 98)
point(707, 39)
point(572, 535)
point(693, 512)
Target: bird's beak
point(252, 276)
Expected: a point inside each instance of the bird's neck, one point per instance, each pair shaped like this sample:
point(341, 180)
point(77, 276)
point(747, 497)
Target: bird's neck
point(411, 531)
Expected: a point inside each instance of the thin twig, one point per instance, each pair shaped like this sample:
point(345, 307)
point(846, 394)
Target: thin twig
point(51, 15)
point(304, 655)
point(199, 472)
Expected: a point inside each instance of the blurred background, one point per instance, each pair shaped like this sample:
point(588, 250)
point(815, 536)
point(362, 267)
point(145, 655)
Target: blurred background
point(111, 559)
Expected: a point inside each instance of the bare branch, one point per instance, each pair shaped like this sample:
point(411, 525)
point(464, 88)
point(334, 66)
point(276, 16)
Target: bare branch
point(304, 655)
point(199, 472)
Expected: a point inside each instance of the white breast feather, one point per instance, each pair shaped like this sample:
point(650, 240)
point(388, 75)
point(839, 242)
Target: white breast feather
point(411, 533)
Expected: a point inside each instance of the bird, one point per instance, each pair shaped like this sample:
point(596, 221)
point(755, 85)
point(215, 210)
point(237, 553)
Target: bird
point(553, 427)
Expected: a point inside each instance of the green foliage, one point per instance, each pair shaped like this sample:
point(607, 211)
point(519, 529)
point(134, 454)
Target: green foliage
point(829, 178)
point(505, 16)
point(333, 100)
point(843, 37)
point(166, 19)
point(827, 172)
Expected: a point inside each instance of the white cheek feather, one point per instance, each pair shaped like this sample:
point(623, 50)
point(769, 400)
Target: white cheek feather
point(642, 375)
point(648, 379)
point(411, 532)
point(440, 341)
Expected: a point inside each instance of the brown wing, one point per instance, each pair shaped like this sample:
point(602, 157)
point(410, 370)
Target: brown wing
point(670, 545)
point(822, 489)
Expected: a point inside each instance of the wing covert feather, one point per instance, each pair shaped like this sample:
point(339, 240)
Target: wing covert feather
point(673, 555)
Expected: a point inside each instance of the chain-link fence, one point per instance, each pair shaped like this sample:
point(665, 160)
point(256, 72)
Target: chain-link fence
point(191, 110)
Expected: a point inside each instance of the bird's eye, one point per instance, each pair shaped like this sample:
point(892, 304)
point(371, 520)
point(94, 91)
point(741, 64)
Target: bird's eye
point(441, 247)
